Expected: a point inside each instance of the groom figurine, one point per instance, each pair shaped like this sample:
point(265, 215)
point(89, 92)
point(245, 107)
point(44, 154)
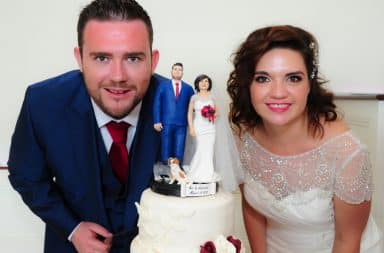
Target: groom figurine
point(170, 109)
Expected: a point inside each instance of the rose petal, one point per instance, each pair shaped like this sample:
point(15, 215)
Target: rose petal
point(209, 247)
point(235, 242)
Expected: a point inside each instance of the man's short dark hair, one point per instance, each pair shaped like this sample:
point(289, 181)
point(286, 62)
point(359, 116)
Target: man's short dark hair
point(105, 10)
point(177, 64)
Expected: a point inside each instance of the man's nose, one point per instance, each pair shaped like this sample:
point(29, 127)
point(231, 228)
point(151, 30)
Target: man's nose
point(118, 73)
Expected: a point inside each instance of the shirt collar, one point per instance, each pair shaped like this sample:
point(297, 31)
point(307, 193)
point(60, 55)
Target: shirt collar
point(176, 81)
point(102, 118)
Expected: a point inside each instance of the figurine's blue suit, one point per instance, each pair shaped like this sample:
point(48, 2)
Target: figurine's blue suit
point(172, 114)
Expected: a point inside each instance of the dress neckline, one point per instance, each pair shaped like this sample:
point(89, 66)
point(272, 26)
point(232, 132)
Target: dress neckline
point(203, 98)
point(310, 151)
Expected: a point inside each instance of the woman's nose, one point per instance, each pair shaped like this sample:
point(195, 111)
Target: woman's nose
point(279, 89)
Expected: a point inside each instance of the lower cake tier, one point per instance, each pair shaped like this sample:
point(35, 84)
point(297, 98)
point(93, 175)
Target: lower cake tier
point(169, 224)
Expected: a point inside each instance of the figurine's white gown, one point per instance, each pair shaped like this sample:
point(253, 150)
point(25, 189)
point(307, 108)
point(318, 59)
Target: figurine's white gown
point(295, 193)
point(201, 168)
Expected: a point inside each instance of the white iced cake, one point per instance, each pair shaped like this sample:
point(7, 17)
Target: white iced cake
point(170, 224)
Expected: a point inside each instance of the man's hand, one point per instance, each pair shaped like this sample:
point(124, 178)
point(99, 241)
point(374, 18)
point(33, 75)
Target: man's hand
point(90, 237)
point(158, 127)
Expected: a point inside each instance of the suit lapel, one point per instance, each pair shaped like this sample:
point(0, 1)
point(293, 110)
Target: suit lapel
point(83, 133)
point(142, 156)
point(146, 140)
point(183, 89)
point(172, 91)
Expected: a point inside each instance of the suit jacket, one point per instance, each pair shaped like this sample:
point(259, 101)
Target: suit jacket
point(54, 158)
point(167, 109)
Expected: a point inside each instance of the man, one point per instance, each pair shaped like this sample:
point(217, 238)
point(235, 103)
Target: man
point(64, 157)
point(170, 114)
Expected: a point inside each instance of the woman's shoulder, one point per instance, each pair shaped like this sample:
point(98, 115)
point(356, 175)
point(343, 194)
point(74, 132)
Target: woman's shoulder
point(341, 137)
point(194, 97)
point(334, 128)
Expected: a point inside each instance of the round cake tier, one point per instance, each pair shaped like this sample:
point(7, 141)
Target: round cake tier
point(170, 224)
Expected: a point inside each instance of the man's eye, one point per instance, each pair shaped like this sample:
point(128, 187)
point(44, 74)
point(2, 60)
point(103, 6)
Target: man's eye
point(101, 58)
point(133, 58)
point(261, 79)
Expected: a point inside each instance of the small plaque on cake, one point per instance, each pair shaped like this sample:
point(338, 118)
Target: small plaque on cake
point(184, 190)
point(172, 180)
point(197, 190)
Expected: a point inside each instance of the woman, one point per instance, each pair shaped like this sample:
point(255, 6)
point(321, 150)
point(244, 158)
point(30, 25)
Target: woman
point(202, 113)
point(306, 177)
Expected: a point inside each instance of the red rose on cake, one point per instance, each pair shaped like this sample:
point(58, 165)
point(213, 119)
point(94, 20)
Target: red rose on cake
point(208, 247)
point(235, 242)
point(222, 245)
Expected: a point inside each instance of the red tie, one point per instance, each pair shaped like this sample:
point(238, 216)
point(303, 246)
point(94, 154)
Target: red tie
point(177, 90)
point(118, 155)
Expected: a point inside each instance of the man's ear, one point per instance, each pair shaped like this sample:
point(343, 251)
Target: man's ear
point(155, 59)
point(77, 53)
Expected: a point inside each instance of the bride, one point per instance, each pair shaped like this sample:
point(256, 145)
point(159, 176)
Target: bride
point(306, 178)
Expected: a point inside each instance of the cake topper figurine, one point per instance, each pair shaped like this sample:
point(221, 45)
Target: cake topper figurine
point(202, 112)
point(173, 108)
point(170, 109)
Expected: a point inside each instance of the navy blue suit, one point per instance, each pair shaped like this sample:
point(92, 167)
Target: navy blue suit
point(59, 165)
point(172, 114)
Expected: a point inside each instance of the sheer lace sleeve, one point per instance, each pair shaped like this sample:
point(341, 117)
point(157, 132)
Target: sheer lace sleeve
point(353, 182)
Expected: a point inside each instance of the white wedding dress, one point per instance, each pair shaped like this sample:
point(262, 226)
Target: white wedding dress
point(201, 168)
point(295, 193)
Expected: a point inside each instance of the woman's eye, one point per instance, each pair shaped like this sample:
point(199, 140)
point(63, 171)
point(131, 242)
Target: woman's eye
point(261, 79)
point(295, 78)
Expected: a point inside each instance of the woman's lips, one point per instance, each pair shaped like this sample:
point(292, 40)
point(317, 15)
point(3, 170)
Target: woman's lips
point(278, 107)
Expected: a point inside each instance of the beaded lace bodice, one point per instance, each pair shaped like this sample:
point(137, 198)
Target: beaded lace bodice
point(339, 166)
point(295, 193)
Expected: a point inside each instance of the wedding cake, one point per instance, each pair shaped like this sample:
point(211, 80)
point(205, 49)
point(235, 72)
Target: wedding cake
point(185, 211)
point(169, 224)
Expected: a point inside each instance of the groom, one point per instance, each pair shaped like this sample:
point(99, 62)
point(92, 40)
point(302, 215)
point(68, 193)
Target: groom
point(84, 146)
point(170, 110)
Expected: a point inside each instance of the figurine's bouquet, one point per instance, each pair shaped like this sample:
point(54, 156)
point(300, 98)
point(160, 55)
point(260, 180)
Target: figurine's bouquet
point(208, 112)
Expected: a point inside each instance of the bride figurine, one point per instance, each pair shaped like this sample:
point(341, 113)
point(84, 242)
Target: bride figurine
point(202, 113)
